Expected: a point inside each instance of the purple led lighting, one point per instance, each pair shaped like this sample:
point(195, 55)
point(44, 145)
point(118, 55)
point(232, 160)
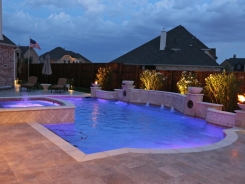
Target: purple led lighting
point(19, 105)
point(102, 125)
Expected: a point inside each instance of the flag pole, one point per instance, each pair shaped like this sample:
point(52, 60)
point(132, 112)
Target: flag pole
point(29, 57)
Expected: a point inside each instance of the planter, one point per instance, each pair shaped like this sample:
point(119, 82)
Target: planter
point(195, 90)
point(127, 82)
point(95, 85)
point(242, 106)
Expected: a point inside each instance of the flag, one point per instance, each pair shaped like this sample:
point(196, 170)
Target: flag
point(34, 44)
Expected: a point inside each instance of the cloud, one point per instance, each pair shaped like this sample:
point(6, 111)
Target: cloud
point(111, 28)
point(51, 3)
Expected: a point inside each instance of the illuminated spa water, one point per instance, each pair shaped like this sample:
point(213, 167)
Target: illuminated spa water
point(102, 125)
point(26, 103)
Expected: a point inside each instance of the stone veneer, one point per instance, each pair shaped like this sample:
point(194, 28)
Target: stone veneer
point(240, 118)
point(43, 115)
point(221, 117)
point(108, 95)
point(201, 110)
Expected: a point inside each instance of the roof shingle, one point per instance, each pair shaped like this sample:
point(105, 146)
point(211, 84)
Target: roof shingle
point(7, 41)
point(59, 52)
point(190, 51)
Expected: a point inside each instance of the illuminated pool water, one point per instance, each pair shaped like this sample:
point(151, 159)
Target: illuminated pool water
point(102, 125)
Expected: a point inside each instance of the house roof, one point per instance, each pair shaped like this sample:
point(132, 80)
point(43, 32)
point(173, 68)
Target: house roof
point(23, 49)
point(7, 41)
point(234, 61)
point(59, 52)
point(182, 48)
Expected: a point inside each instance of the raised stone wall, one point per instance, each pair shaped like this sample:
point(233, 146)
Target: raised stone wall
point(221, 117)
point(201, 109)
point(189, 104)
point(108, 95)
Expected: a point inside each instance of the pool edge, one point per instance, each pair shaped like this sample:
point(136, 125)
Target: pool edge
point(78, 155)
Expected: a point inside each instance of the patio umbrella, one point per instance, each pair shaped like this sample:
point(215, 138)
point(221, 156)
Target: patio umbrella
point(47, 67)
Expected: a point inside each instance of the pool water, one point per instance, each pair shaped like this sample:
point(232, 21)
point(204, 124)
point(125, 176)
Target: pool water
point(102, 125)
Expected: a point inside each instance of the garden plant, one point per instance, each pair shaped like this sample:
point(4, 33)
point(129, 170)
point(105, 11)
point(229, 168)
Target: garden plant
point(152, 80)
point(223, 88)
point(187, 79)
point(104, 78)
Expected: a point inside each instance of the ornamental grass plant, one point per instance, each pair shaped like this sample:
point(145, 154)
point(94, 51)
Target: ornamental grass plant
point(104, 78)
point(223, 88)
point(187, 79)
point(152, 80)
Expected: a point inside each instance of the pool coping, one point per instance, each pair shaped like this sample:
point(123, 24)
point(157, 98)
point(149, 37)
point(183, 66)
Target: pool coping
point(78, 155)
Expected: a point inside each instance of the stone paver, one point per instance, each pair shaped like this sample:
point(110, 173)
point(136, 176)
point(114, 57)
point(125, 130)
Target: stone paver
point(44, 162)
point(26, 157)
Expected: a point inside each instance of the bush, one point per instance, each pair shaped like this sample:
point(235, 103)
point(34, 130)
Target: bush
point(152, 80)
point(187, 79)
point(104, 78)
point(223, 89)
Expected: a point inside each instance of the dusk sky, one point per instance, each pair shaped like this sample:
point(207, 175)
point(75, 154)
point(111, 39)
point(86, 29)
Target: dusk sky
point(102, 30)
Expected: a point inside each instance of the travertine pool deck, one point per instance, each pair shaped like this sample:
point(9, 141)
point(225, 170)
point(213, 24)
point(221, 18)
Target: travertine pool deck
point(26, 156)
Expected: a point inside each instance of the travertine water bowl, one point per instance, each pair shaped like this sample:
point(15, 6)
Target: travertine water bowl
point(127, 82)
point(242, 106)
point(95, 85)
point(195, 90)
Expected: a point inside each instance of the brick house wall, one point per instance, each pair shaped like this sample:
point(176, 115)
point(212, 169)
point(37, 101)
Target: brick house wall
point(1, 34)
point(6, 66)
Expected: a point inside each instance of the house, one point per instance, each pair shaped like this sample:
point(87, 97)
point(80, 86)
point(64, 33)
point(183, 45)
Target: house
point(29, 52)
point(234, 64)
point(7, 58)
point(60, 55)
point(176, 49)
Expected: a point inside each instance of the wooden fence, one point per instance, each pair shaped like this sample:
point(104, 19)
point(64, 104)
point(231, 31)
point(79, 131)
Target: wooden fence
point(85, 73)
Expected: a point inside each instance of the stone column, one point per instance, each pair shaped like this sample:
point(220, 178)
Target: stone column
point(191, 103)
point(240, 118)
point(93, 91)
point(126, 92)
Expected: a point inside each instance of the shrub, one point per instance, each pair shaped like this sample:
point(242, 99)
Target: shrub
point(223, 88)
point(187, 79)
point(104, 78)
point(152, 80)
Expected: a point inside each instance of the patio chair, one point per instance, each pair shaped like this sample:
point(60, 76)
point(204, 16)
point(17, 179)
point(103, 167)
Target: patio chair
point(61, 85)
point(31, 83)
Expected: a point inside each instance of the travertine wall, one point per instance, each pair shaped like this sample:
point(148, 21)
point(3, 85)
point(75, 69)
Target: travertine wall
point(45, 116)
point(6, 66)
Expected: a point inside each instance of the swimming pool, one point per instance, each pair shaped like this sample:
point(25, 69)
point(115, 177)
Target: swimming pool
point(102, 125)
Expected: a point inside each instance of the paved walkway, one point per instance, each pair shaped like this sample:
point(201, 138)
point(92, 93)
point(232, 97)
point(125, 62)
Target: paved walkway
point(28, 157)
